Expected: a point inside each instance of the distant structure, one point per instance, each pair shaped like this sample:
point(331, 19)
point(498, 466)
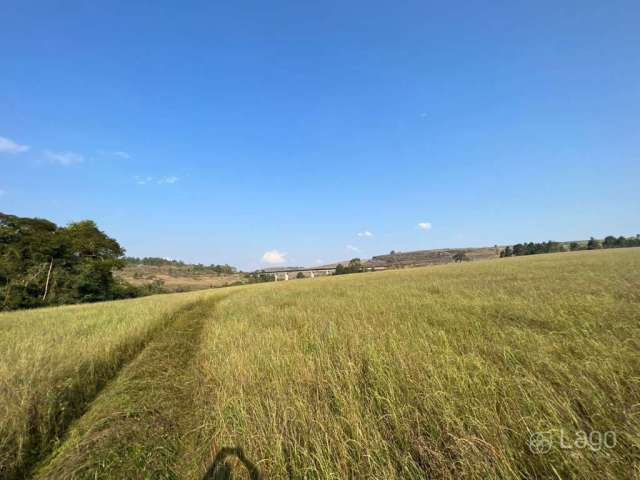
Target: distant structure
point(283, 274)
point(394, 259)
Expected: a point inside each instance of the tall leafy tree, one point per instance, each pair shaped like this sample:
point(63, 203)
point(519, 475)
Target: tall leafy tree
point(42, 264)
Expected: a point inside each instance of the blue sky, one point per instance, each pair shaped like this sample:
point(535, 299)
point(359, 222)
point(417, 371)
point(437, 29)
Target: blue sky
point(226, 131)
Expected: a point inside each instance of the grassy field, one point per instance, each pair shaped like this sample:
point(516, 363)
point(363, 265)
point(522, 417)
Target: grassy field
point(442, 372)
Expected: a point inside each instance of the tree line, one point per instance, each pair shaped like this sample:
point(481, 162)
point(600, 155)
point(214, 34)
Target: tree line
point(44, 264)
point(533, 248)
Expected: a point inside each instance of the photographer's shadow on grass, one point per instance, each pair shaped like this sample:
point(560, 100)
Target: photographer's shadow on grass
point(221, 468)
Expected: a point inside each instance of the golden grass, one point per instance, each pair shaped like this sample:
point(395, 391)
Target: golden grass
point(439, 372)
point(442, 372)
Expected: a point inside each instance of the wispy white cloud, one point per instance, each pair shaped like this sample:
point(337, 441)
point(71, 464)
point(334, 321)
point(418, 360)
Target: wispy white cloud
point(168, 180)
point(353, 248)
point(142, 180)
point(115, 153)
point(319, 261)
point(274, 257)
point(9, 146)
point(2, 193)
point(424, 226)
point(366, 233)
point(64, 158)
point(122, 154)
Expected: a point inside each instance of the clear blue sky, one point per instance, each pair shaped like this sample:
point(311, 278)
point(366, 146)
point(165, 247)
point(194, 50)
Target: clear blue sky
point(219, 131)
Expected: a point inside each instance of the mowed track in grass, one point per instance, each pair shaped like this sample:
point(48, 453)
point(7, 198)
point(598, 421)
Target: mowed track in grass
point(139, 426)
point(54, 361)
point(438, 372)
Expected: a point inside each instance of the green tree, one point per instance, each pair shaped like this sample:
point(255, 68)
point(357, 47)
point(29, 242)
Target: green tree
point(610, 242)
point(300, 275)
point(261, 277)
point(42, 264)
point(460, 257)
point(355, 265)
point(519, 249)
point(593, 244)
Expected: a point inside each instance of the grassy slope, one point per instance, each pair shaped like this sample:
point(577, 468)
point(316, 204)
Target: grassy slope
point(442, 370)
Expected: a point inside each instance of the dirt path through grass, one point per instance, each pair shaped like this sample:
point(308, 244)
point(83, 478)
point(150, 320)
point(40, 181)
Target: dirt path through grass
point(137, 427)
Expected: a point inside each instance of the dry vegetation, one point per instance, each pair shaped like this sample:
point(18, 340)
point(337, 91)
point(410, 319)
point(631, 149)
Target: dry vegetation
point(176, 279)
point(431, 257)
point(440, 372)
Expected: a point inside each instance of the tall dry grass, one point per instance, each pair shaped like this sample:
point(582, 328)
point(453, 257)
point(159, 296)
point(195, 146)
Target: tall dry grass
point(440, 372)
point(53, 362)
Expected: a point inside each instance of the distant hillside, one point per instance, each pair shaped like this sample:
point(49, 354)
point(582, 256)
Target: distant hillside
point(168, 262)
point(418, 258)
point(431, 257)
point(176, 277)
point(445, 255)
